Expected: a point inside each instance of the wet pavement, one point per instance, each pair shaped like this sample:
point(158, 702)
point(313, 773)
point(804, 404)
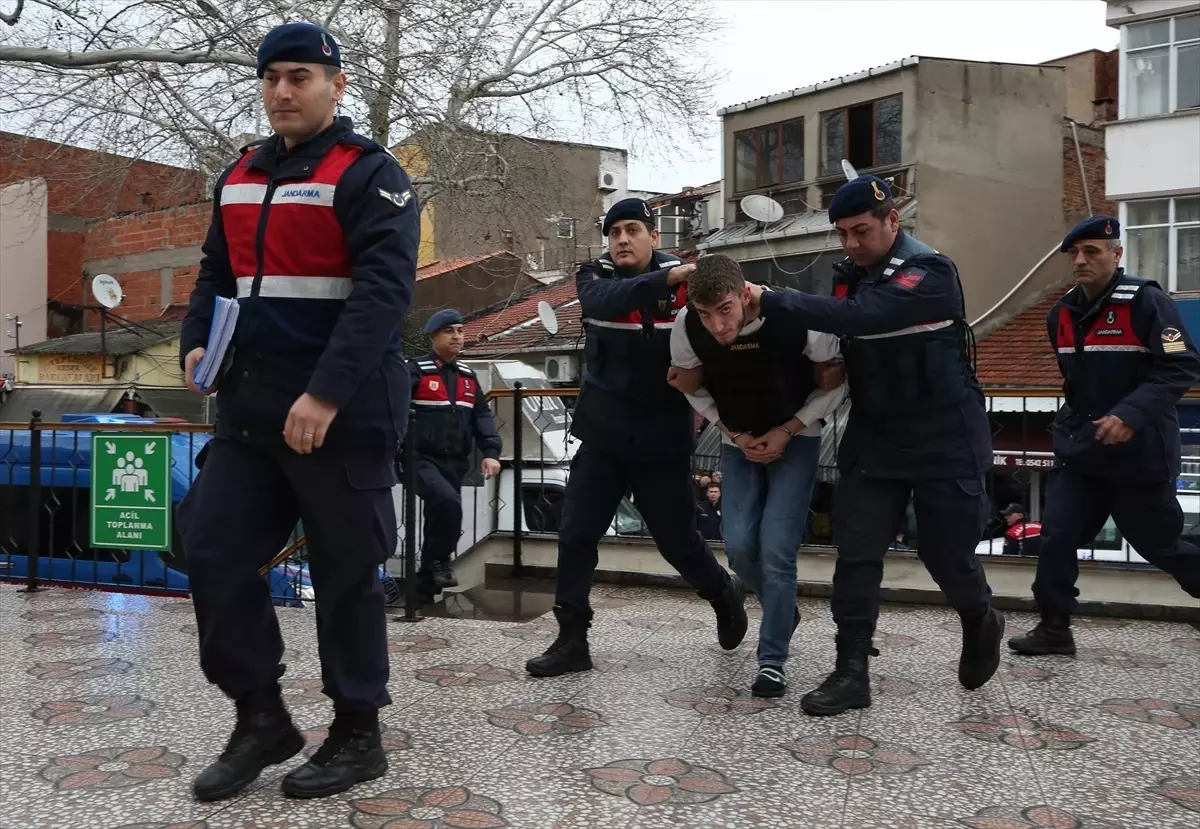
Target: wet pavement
point(105, 718)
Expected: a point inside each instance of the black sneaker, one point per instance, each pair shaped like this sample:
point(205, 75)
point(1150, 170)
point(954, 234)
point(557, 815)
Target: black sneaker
point(352, 753)
point(770, 682)
point(263, 736)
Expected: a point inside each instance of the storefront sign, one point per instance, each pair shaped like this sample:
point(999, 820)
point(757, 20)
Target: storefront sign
point(70, 368)
point(1018, 460)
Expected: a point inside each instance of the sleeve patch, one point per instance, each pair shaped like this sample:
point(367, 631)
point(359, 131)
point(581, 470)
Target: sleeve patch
point(400, 199)
point(908, 279)
point(1172, 341)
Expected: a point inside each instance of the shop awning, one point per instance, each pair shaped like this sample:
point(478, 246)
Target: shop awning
point(179, 403)
point(55, 401)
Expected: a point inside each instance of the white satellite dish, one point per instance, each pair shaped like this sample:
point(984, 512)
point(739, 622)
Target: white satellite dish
point(762, 208)
point(548, 317)
point(848, 169)
point(107, 290)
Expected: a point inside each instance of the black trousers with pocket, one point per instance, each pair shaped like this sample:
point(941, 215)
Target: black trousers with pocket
point(950, 517)
point(239, 514)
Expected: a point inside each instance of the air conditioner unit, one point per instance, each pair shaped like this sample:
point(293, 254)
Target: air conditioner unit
point(562, 368)
point(609, 180)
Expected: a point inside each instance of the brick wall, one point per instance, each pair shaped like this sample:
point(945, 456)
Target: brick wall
point(87, 184)
point(1074, 202)
point(154, 255)
point(64, 265)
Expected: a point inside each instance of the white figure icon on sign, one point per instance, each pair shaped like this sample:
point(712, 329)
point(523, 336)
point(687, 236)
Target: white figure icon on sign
point(130, 475)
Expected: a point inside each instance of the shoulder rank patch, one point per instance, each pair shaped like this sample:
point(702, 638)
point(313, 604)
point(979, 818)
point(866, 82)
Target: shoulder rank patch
point(908, 279)
point(400, 199)
point(1172, 341)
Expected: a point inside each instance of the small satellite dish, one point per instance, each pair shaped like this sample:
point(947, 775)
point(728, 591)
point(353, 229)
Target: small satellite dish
point(107, 290)
point(548, 317)
point(762, 208)
point(848, 169)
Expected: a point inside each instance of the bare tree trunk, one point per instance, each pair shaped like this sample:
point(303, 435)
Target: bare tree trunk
point(380, 109)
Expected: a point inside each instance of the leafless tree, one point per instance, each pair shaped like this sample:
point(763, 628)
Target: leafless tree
point(173, 80)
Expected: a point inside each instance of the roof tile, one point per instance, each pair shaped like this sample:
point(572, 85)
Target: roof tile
point(1018, 353)
point(439, 267)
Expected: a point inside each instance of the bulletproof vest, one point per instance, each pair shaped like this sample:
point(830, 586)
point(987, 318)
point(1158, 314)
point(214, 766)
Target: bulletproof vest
point(760, 380)
point(1101, 357)
point(916, 369)
point(442, 420)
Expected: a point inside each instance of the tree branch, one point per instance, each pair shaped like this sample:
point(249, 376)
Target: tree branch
point(12, 19)
point(105, 57)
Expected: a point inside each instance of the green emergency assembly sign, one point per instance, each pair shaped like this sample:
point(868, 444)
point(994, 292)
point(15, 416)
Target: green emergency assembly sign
point(131, 491)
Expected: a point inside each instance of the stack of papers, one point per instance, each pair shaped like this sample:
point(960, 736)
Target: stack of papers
point(224, 322)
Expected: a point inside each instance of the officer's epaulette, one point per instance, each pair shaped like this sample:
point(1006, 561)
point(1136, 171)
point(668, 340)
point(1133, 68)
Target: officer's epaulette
point(669, 262)
point(465, 369)
point(605, 262)
point(427, 366)
point(254, 145)
point(1128, 287)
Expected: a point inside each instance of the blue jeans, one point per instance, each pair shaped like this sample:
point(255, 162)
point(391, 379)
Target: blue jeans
point(765, 515)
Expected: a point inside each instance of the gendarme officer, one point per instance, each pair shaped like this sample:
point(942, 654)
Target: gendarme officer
point(452, 418)
point(917, 426)
point(1126, 359)
point(315, 231)
point(636, 433)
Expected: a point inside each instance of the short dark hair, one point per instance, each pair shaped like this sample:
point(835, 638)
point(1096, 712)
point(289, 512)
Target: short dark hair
point(331, 71)
point(882, 210)
point(716, 276)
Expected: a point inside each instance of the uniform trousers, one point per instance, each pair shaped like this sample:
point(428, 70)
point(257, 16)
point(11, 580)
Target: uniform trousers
point(950, 516)
point(1148, 515)
point(240, 512)
point(439, 486)
point(662, 491)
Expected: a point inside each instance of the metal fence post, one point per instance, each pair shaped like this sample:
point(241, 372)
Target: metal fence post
point(410, 520)
point(35, 501)
point(518, 512)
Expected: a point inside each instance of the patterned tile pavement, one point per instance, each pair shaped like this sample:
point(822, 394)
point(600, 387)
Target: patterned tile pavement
point(105, 718)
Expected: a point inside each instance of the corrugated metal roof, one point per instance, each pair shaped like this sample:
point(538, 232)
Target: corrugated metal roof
point(801, 91)
point(56, 401)
point(118, 341)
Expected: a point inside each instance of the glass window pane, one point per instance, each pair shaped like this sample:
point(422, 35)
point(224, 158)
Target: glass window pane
point(745, 160)
point(887, 132)
point(1187, 210)
point(1147, 213)
point(793, 151)
point(1148, 82)
point(1187, 259)
point(1187, 28)
point(1148, 254)
point(1149, 34)
point(1187, 94)
point(768, 155)
point(833, 142)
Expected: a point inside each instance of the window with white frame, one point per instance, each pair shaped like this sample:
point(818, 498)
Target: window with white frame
point(565, 228)
point(1162, 241)
point(671, 229)
point(1162, 66)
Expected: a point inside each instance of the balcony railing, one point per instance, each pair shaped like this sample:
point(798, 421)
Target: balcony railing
point(45, 486)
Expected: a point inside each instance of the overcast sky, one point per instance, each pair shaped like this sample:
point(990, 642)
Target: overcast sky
point(774, 45)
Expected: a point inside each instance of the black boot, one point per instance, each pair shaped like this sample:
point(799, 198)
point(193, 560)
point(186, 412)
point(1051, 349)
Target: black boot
point(980, 655)
point(569, 652)
point(264, 736)
point(443, 575)
point(849, 686)
point(730, 607)
point(352, 753)
point(1051, 636)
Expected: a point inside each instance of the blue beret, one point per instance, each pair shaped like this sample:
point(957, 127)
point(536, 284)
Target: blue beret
point(861, 195)
point(1097, 227)
point(627, 209)
point(442, 319)
point(299, 42)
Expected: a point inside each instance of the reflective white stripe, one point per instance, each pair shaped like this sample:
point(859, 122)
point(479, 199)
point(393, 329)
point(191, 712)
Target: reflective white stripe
point(896, 261)
point(308, 192)
point(625, 326)
point(1066, 350)
point(297, 287)
point(1124, 296)
point(670, 263)
point(915, 329)
point(1138, 348)
point(888, 271)
point(466, 404)
point(431, 402)
point(243, 194)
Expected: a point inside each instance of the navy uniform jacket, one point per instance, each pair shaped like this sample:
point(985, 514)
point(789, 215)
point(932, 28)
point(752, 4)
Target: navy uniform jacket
point(343, 349)
point(447, 433)
point(917, 411)
point(625, 404)
point(1125, 354)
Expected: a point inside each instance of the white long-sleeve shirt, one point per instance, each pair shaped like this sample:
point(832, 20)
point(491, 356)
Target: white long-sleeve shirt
point(820, 348)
